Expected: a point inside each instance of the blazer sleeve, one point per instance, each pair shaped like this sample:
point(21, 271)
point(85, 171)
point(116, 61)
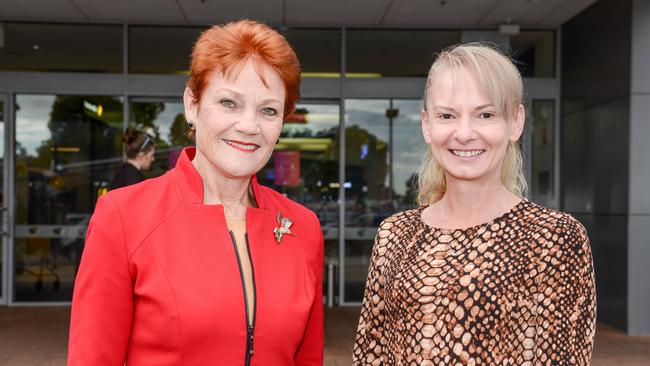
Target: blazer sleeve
point(566, 299)
point(102, 302)
point(310, 351)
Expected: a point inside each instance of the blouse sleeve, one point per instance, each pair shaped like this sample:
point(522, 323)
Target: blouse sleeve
point(310, 351)
point(369, 344)
point(102, 301)
point(566, 298)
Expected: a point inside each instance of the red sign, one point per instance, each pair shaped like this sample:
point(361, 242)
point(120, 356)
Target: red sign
point(287, 168)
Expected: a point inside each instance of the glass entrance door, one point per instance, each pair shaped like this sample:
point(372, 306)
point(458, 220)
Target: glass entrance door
point(303, 167)
point(164, 120)
point(540, 151)
point(383, 149)
point(66, 150)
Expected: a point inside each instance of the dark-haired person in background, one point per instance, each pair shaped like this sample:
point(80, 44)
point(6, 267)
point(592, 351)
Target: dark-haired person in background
point(139, 150)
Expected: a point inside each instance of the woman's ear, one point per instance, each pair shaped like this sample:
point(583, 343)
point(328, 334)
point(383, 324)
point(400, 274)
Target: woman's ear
point(425, 126)
point(518, 123)
point(191, 105)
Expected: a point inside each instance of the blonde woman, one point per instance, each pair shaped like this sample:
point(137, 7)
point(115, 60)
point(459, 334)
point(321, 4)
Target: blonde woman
point(477, 275)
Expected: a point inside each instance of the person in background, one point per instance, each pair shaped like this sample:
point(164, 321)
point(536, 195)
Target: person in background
point(477, 275)
point(139, 150)
point(203, 265)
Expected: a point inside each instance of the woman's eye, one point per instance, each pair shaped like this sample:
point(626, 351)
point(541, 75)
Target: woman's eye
point(227, 103)
point(445, 116)
point(269, 111)
point(486, 115)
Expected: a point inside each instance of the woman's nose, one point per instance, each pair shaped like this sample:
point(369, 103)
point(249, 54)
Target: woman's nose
point(465, 130)
point(248, 122)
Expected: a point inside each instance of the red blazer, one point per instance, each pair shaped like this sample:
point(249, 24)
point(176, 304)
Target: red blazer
point(159, 282)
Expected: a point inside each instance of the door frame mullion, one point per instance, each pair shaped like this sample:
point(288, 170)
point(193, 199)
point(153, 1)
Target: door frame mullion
point(8, 198)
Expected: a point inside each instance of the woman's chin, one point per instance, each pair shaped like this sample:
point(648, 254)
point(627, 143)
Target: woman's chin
point(233, 168)
point(238, 170)
point(467, 174)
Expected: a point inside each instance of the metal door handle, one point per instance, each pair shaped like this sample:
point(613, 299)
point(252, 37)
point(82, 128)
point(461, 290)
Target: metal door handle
point(5, 220)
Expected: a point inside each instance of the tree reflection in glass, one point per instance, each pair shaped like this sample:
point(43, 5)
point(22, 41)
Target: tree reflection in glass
point(67, 148)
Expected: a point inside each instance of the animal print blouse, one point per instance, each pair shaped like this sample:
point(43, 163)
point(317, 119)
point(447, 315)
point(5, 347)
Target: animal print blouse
point(518, 290)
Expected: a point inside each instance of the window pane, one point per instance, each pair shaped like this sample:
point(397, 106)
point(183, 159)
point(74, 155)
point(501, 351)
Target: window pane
point(542, 151)
point(408, 151)
point(319, 50)
point(395, 52)
point(535, 52)
point(67, 148)
point(376, 185)
point(161, 50)
point(305, 167)
point(61, 47)
point(165, 121)
point(367, 186)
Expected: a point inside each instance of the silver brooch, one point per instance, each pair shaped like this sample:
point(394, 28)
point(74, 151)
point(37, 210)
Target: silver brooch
point(285, 223)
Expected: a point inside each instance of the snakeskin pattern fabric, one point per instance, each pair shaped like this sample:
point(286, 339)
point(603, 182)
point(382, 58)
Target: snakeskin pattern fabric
point(518, 290)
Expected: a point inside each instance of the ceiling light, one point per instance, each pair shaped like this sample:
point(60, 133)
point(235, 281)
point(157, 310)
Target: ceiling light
point(36, 47)
point(509, 29)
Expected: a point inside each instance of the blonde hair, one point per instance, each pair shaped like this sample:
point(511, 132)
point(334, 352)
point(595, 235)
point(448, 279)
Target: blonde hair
point(500, 79)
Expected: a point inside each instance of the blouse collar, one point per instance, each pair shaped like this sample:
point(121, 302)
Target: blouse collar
point(189, 182)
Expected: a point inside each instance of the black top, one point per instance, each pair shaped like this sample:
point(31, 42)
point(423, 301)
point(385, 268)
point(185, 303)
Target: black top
point(126, 176)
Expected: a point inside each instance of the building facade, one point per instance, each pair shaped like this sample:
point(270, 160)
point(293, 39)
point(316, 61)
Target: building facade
point(69, 87)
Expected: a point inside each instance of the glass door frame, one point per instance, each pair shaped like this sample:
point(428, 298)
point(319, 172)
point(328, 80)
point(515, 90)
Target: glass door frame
point(412, 88)
point(6, 211)
point(171, 86)
point(542, 89)
point(333, 267)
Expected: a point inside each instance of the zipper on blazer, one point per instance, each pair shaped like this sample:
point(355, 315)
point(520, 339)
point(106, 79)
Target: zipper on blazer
point(250, 327)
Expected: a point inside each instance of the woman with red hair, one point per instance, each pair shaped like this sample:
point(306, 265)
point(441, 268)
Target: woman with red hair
point(204, 266)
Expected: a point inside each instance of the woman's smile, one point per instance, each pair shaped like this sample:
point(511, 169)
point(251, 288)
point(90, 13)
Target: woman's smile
point(466, 154)
point(242, 146)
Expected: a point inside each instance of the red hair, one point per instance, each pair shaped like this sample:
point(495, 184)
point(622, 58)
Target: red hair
point(225, 48)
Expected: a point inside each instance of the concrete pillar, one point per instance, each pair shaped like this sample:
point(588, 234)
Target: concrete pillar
point(639, 193)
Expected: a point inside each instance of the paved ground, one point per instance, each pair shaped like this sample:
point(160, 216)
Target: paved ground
point(35, 336)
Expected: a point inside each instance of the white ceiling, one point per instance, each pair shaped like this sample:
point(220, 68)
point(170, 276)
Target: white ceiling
point(372, 13)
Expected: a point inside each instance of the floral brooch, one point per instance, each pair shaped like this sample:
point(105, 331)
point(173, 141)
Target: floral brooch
point(285, 223)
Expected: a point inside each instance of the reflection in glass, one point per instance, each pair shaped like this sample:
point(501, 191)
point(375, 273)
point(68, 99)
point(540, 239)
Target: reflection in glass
point(67, 148)
point(61, 47)
point(368, 199)
point(408, 151)
point(376, 184)
point(305, 167)
point(165, 121)
point(542, 152)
